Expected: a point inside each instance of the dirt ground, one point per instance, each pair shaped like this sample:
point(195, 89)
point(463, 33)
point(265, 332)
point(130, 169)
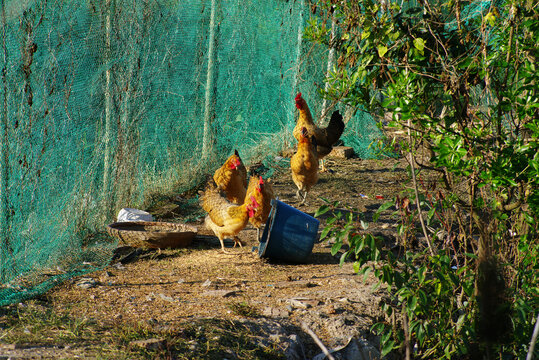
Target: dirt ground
point(178, 286)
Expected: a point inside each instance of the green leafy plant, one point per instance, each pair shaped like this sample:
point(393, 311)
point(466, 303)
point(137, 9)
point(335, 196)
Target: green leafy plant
point(459, 80)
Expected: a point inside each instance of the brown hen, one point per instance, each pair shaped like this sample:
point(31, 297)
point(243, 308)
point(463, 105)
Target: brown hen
point(325, 137)
point(304, 164)
point(224, 218)
point(231, 178)
point(262, 192)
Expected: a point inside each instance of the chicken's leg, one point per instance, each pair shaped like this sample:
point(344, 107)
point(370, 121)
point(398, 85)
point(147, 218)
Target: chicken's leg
point(303, 200)
point(223, 246)
point(237, 241)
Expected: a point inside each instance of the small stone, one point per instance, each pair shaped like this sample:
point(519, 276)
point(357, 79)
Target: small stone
point(118, 266)
point(149, 344)
point(206, 283)
point(193, 345)
point(86, 283)
point(275, 312)
point(8, 346)
point(303, 303)
point(166, 298)
point(220, 293)
point(343, 152)
point(330, 309)
point(294, 349)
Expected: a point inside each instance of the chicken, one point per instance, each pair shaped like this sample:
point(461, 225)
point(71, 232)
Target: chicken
point(262, 192)
point(224, 218)
point(304, 164)
point(325, 137)
point(231, 178)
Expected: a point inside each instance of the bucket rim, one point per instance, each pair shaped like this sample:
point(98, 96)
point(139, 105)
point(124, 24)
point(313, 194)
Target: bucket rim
point(266, 235)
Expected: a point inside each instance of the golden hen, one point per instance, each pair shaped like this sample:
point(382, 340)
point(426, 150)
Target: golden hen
point(325, 137)
point(262, 192)
point(231, 178)
point(224, 218)
point(304, 164)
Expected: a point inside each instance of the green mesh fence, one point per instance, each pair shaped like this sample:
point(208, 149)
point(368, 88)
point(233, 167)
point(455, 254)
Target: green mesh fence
point(106, 103)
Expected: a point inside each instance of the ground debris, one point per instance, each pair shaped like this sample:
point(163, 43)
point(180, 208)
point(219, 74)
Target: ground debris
point(149, 344)
point(220, 293)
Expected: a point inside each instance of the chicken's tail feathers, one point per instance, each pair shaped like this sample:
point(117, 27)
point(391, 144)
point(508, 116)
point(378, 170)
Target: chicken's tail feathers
point(210, 182)
point(254, 170)
point(210, 187)
point(335, 127)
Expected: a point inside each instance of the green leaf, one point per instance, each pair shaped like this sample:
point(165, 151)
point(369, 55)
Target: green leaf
point(382, 50)
point(366, 271)
point(491, 18)
point(321, 210)
point(382, 207)
point(387, 347)
point(336, 247)
point(412, 303)
point(421, 274)
point(419, 44)
point(365, 34)
point(378, 328)
point(325, 232)
point(460, 321)
point(364, 225)
point(343, 258)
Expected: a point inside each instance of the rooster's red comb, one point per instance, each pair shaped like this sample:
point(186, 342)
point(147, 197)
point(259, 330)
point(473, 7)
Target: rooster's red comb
point(298, 97)
point(260, 181)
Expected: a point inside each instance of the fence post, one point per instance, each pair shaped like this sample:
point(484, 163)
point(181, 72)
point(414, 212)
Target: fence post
point(108, 113)
point(209, 109)
point(4, 160)
point(298, 60)
point(331, 64)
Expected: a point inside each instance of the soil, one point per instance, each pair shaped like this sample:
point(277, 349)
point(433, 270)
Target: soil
point(173, 287)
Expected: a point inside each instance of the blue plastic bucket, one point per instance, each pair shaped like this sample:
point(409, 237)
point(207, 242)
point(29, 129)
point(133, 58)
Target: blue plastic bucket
point(289, 234)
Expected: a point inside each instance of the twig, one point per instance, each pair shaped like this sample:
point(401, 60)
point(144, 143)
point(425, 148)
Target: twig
point(406, 332)
point(317, 340)
point(534, 339)
point(418, 204)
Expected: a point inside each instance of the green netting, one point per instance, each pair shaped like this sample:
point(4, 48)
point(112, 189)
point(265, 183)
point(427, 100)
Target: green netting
point(106, 103)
